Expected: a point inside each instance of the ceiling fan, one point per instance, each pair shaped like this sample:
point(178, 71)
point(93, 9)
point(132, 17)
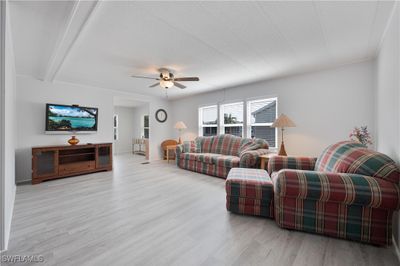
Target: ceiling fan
point(167, 80)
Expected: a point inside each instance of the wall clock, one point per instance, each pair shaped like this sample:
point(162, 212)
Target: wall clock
point(161, 115)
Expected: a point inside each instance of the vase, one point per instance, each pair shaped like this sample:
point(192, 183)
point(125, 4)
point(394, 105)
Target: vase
point(73, 140)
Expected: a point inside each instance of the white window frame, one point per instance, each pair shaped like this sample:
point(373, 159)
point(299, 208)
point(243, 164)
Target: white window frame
point(250, 124)
point(222, 120)
point(201, 125)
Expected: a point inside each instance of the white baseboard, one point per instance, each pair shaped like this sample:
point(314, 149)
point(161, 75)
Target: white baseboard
point(396, 248)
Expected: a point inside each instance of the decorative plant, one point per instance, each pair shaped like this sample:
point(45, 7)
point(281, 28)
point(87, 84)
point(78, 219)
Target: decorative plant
point(361, 135)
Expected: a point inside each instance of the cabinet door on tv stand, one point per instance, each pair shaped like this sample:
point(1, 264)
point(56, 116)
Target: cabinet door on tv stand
point(44, 164)
point(104, 156)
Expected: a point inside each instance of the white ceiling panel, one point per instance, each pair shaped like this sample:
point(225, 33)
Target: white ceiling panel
point(36, 26)
point(224, 43)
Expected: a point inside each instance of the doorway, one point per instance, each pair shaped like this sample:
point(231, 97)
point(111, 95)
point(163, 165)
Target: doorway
point(131, 128)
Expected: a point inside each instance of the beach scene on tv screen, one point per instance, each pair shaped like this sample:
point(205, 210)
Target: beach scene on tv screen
point(71, 118)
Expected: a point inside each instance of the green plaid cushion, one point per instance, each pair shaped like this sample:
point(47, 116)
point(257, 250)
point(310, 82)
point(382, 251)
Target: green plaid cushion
point(352, 157)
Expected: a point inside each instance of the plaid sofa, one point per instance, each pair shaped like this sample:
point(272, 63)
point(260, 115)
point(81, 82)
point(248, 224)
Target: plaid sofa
point(216, 155)
point(349, 192)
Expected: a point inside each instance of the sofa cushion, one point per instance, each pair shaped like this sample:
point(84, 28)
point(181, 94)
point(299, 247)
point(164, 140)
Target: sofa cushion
point(201, 157)
point(353, 157)
point(205, 144)
point(213, 158)
point(228, 161)
point(226, 144)
point(190, 146)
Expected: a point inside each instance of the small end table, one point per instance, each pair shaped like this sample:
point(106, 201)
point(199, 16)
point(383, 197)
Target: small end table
point(265, 158)
point(168, 148)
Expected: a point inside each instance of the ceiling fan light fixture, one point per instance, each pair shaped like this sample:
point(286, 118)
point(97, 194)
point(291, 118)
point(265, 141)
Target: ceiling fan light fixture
point(166, 84)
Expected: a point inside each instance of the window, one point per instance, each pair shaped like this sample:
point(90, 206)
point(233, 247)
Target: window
point(208, 120)
point(261, 115)
point(115, 127)
point(251, 120)
point(233, 118)
point(146, 128)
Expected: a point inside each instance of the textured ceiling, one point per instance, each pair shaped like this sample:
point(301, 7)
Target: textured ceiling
point(224, 43)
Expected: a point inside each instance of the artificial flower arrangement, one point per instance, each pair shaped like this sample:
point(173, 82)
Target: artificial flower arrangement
point(361, 135)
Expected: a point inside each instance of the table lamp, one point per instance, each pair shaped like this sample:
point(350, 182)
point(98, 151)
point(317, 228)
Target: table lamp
point(180, 126)
point(281, 122)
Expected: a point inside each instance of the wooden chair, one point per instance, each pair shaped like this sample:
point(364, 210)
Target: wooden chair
point(164, 145)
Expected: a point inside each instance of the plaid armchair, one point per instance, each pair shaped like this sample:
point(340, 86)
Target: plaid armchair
point(216, 155)
point(349, 192)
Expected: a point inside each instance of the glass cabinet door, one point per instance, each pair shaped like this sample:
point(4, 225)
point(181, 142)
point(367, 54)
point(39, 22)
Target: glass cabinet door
point(104, 156)
point(45, 163)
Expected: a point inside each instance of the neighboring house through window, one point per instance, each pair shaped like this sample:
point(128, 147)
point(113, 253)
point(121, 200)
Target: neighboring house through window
point(261, 115)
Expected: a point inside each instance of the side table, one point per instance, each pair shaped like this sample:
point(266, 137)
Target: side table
point(265, 158)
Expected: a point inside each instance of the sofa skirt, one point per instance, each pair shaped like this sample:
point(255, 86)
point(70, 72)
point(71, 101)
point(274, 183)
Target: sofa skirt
point(353, 222)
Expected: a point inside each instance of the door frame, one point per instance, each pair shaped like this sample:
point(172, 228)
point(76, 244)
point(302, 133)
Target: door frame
point(3, 244)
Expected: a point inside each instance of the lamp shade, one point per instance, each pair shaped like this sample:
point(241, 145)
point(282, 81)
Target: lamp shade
point(283, 121)
point(180, 125)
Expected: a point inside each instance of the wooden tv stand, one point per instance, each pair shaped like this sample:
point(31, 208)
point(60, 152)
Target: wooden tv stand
point(61, 161)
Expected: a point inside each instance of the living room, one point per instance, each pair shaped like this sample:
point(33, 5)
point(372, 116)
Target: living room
point(200, 71)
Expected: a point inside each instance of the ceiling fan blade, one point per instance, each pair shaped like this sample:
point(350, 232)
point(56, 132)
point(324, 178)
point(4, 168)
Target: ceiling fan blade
point(154, 85)
point(143, 77)
point(180, 86)
point(187, 79)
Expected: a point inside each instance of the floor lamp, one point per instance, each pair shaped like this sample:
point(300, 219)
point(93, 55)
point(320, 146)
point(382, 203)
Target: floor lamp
point(282, 122)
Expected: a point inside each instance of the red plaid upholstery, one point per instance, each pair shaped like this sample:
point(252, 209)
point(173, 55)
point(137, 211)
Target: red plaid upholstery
point(204, 168)
point(354, 222)
point(277, 163)
point(251, 158)
point(350, 189)
point(227, 161)
point(352, 157)
point(225, 151)
point(226, 144)
point(249, 191)
point(352, 195)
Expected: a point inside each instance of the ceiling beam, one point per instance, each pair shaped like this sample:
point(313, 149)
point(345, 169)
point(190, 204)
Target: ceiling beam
point(76, 22)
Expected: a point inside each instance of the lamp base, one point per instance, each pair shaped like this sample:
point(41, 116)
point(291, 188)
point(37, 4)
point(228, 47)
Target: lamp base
point(282, 151)
point(179, 141)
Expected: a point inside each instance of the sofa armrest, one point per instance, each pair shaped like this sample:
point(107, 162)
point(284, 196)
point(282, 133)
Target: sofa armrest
point(179, 150)
point(251, 158)
point(349, 189)
point(277, 163)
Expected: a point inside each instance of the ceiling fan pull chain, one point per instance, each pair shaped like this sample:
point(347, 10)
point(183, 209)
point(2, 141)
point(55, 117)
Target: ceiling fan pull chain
point(166, 94)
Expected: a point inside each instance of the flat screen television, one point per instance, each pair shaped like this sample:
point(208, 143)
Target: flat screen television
point(62, 118)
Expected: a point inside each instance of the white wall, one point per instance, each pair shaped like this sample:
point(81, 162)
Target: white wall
point(325, 105)
point(8, 130)
point(130, 123)
point(32, 95)
point(388, 96)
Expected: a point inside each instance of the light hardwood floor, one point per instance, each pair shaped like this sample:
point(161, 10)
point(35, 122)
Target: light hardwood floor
point(158, 214)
